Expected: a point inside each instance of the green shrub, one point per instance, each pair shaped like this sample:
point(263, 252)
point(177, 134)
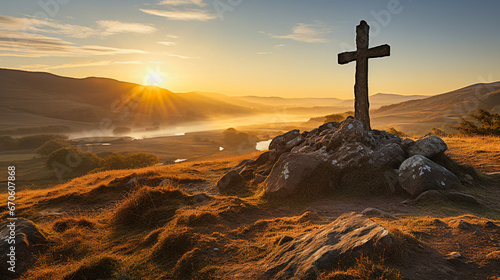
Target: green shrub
point(52, 145)
point(27, 142)
point(438, 132)
point(72, 160)
point(489, 124)
point(35, 141)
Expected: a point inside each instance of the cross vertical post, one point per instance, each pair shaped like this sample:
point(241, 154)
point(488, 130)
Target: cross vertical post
point(361, 56)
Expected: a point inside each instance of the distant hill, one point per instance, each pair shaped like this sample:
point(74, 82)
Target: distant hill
point(309, 106)
point(442, 111)
point(37, 98)
point(47, 102)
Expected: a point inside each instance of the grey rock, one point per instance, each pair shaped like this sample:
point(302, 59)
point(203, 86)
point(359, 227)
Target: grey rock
point(230, 182)
point(374, 212)
point(247, 173)
point(428, 147)
point(491, 225)
point(350, 131)
point(328, 125)
point(468, 179)
point(455, 258)
point(431, 196)
point(338, 243)
point(439, 223)
point(407, 142)
point(466, 226)
point(387, 156)
point(419, 174)
point(29, 242)
point(242, 165)
point(285, 142)
point(462, 198)
point(291, 174)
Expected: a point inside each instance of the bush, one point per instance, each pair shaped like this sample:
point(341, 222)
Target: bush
point(237, 139)
point(490, 124)
point(127, 161)
point(35, 141)
point(334, 118)
point(438, 132)
point(27, 142)
point(397, 132)
point(52, 145)
point(72, 159)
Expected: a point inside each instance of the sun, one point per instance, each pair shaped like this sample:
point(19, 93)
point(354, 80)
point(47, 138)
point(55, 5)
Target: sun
point(153, 78)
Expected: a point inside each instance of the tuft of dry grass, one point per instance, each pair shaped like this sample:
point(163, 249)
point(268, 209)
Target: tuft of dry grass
point(100, 267)
point(68, 223)
point(364, 269)
point(172, 244)
point(149, 207)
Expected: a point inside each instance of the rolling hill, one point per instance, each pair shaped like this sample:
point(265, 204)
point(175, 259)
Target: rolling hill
point(442, 111)
point(35, 99)
point(43, 100)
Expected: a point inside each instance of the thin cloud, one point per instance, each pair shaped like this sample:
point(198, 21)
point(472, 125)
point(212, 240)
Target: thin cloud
point(264, 53)
point(192, 14)
point(128, 62)
point(307, 33)
point(50, 26)
point(200, 3)
point(18, 44)
point(167, 43)
point(178, 56)
point(113, 26)
point(36, 25)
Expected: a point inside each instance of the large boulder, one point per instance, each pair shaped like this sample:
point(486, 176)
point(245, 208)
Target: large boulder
point(294, 173)
point(338, 243)
point(230, 182)
point(428, 147)
point(29, 241)
point(286, 142)
point(419, 174)
point(350, 131)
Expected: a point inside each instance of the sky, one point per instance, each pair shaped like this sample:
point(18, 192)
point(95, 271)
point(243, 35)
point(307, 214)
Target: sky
point(282, 48)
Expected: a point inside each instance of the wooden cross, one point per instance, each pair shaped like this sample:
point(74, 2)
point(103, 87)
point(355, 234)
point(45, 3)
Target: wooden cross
point(361, 56)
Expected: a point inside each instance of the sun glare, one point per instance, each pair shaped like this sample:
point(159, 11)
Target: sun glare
point(153, 79)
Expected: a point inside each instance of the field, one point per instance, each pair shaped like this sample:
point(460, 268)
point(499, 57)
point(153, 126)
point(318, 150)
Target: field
point(482, 152)
point(191, 146)
point(170, 222)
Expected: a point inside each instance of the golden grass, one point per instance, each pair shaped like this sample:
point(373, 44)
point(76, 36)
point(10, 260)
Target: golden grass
point(146, 229)
point(481, 152)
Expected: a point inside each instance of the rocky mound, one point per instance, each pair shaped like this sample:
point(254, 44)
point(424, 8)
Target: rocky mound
point(338, 243)
point(337, 157)
point(350, 237)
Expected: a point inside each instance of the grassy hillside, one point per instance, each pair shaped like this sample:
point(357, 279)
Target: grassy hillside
point(169, 222)
point(417, 117)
